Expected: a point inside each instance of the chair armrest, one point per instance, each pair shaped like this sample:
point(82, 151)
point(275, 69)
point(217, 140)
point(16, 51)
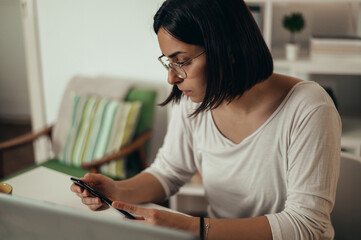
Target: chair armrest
point(29, 137)
point(135, 145)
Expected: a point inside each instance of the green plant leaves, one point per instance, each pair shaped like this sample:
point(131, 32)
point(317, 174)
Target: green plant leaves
point(294, 22)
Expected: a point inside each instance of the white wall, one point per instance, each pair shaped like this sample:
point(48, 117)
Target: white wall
point(13, 87)
point(99, 37)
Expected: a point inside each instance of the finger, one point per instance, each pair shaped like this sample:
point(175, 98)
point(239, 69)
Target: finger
point(79, 195)
point(91, 201)
point(92, 178)
point(133, 209)
point(86, 193)
point(75, 188)
point(94, 207)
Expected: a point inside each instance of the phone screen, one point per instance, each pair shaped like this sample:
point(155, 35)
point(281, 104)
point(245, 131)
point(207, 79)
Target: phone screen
point(95, 193)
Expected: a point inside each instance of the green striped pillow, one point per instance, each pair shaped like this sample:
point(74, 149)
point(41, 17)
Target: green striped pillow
point(100, 126)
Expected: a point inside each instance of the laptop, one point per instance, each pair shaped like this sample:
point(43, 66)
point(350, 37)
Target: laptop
point(22, 218)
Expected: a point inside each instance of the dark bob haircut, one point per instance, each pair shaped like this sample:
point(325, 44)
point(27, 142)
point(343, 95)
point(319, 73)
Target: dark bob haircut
point(237, 57)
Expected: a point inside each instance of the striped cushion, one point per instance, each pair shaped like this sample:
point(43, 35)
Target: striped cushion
point(99, 126)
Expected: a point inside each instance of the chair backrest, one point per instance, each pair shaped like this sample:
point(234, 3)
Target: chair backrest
point(113, 88)
point(346, 215)
point(146, 115)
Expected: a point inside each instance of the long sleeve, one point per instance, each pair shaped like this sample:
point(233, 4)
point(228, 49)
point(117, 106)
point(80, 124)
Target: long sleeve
point(313, 169)
point(174, 164)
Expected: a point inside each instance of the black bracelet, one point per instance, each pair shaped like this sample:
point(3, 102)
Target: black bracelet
point(201, 227)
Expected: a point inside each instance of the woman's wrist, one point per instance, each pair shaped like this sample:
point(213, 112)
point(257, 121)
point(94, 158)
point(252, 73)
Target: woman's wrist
point(122, 192)
point(193, 225)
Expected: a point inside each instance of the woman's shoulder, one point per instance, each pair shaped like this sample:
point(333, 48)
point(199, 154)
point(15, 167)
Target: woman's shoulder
point(309, 94)
point(307, 100)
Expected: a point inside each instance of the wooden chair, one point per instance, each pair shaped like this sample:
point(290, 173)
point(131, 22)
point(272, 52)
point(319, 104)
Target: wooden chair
point(113, 88)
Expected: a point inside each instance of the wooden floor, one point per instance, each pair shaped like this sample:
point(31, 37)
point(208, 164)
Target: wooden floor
point(19, 158)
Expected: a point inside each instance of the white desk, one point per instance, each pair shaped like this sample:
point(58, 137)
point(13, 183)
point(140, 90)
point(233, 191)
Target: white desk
point(47, 185)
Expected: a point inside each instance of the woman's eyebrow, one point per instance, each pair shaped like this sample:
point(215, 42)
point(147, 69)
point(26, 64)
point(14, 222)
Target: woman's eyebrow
point(175, 54)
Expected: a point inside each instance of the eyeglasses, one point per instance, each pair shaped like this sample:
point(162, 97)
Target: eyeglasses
point(177, 68)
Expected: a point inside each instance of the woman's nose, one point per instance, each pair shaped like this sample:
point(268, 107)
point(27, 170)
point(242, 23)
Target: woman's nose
point(173, 79)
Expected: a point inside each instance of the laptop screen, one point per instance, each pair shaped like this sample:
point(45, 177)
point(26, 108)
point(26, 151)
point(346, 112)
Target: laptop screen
point(22, 218)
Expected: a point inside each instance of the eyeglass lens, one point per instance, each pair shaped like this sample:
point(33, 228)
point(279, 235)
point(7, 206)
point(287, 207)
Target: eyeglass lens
point(179, 71)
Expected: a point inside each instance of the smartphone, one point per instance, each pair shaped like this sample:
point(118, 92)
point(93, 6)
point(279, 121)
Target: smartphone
point(95, 193)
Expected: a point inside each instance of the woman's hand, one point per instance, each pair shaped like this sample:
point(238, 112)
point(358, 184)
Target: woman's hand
point(106, 186)
point(160, 217)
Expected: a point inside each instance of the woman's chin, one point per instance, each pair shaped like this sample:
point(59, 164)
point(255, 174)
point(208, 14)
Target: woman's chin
point(195, 99)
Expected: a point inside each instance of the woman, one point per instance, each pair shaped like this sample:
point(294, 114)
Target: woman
point(267, 145)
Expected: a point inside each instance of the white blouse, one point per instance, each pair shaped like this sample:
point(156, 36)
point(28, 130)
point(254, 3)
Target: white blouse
point(286, 170)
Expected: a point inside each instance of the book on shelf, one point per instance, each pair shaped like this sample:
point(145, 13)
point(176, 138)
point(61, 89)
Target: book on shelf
point(349, 46)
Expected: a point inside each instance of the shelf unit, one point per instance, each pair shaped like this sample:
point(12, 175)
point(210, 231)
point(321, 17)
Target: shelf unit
point(303, 67)
point(268, 6)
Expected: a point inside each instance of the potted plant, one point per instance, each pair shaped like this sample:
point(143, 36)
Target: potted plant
point(294, 23)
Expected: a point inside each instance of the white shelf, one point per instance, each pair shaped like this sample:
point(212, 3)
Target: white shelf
point(192, 189)
point(328, 64)
point(341, 66)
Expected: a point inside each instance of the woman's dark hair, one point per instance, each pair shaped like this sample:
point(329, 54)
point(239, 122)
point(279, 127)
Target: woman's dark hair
point(237, 56)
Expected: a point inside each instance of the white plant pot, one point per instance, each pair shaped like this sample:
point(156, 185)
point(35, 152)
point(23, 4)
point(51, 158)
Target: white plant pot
point(292, 50)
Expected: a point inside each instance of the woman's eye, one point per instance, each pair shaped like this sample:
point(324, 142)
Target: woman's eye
point(178, 61)
point(186, 62)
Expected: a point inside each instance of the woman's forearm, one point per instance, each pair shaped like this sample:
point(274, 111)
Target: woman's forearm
point(142, 188)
